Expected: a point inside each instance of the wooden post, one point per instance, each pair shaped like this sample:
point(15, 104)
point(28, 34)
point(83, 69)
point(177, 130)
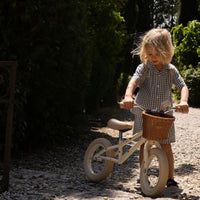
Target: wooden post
point(8, 99)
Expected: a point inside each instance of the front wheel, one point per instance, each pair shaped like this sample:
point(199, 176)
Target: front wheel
point(154, 178)
point(96, 168)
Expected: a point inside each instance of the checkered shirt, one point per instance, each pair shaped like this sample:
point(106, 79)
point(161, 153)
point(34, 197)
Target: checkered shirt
point(155, 88)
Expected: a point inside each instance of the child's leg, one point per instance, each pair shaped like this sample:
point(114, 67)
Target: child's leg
point(168, 150)
point(141, 154)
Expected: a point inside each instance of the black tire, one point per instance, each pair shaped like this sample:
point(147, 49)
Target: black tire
point(154, 179)
point(97, 170)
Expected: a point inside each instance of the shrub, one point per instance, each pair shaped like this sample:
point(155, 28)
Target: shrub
point(187, 55)
point(192, 79)
point(187, 44)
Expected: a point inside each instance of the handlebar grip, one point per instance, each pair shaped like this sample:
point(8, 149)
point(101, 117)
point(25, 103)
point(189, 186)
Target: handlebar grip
point(121, 105)
point(174, 107)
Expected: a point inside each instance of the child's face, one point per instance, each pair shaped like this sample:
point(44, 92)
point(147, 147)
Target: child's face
point(154, 57)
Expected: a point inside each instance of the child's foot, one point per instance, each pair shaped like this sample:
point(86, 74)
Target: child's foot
point(172, 183)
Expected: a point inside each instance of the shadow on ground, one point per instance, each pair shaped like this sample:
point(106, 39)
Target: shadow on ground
point(185, 169)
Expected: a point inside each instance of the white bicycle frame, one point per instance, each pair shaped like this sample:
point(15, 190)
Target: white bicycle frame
point(124, 156)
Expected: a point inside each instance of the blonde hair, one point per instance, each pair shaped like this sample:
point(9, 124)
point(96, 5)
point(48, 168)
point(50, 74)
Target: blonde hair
point(160, 39)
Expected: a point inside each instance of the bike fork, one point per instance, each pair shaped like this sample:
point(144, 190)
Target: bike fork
point(147, 147)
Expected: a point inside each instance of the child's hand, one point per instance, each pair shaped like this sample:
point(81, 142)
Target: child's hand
point(182, 107)
point(128, 103)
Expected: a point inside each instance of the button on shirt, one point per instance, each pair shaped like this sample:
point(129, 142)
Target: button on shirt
point(155, 88)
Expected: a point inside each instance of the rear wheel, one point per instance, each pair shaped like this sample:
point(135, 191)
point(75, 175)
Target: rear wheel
point(96, 168)
point(154, 178)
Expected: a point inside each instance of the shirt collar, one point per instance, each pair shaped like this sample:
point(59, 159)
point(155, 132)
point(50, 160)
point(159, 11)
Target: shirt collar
point(166, 66)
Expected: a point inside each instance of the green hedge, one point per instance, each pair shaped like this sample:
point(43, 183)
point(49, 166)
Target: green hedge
point(187, 54)
point(68, 54)
point(192, 78)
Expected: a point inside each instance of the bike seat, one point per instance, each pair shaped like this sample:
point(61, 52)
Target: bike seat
point(119, 125)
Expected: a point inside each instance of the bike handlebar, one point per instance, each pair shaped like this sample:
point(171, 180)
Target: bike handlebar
point(168, 109)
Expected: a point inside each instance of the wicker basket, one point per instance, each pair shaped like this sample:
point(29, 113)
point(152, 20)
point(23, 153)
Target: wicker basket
point(156, 127)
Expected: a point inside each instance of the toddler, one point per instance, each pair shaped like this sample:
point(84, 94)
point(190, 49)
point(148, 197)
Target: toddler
point(155, 77)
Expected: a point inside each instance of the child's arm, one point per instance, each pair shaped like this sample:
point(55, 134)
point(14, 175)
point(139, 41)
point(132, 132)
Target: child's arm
point(183, 105)
point(128, 101)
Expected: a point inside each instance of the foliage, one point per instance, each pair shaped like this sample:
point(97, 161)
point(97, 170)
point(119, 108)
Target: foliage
point(51, 52)
point(141, 16)
point(192, 78)
point(187, 42)
point(67, 53)
point(107, 38)
point(164, 13)
point(187, 54)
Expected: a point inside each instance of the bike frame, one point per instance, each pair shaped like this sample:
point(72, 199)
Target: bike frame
point(122, 157)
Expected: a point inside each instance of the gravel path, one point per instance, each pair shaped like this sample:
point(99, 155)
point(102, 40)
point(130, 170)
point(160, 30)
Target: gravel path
point(59, 175)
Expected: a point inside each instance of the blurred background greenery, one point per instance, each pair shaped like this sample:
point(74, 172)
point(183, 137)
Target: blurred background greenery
point(74, 58)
